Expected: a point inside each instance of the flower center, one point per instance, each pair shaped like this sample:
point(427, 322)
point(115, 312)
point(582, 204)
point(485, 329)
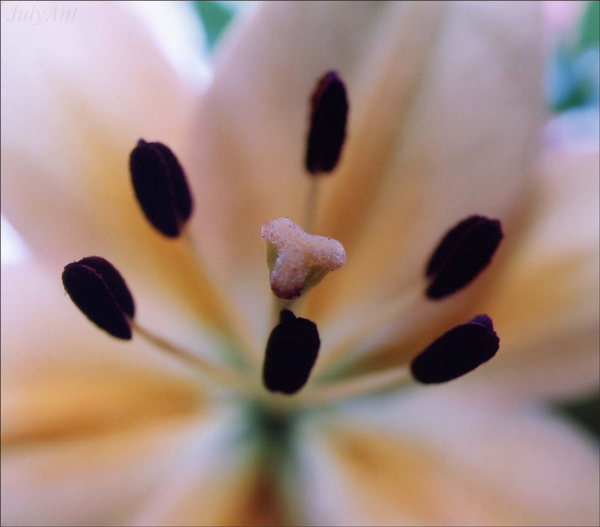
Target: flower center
point(298, 261)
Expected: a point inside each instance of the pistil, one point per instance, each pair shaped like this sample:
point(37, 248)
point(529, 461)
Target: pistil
point(297, 260)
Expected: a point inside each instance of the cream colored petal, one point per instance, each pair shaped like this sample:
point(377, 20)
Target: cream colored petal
point(105, 432)
point(448, 129)
point(442, 457)
point(541, 292)
point(179, 33)
point(76, 97)
point(122, 478)
point(545, 304)
point(223, 489)
point(248, 149)
point(444, 103)
point(62, 377)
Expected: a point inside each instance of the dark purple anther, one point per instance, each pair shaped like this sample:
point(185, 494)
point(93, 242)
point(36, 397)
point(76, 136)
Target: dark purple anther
point(291, 353)
point(100, 292)
point(456, 352)
point(463, 253)
point(329, 111)
point(160, 187)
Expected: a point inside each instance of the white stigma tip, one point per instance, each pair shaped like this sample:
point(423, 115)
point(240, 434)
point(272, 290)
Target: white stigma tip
point(297, 260)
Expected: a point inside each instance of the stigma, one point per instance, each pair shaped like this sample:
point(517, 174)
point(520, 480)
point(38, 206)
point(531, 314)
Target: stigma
point(297, 260)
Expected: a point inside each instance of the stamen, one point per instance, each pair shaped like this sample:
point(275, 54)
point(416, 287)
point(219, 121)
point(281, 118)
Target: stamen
point(329, 112)
point(298, 261)
point(347, 343)
point(291, 353)
point(100, 292)
point(463, 253)
point(211, 372)
point(456, 352)
point(160, 187)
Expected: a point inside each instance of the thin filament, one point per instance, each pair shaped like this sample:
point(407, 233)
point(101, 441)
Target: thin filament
point(210, 371)
point(370, 323)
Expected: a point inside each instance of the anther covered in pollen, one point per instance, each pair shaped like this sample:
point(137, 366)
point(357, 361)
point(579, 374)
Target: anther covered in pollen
point(456, 352)
point(463, 253)
point(291, 353)
point(329, 111)
point(297, 260)
point(160, 187)
point(100, 292)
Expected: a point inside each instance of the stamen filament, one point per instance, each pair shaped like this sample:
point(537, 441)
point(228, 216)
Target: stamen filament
point(357, 386)
point(372, 321)
point(210, 371)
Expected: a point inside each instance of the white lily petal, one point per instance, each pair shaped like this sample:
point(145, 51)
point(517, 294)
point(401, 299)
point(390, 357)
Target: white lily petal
point(445, 100)
point(542, 295)
point(14, 250)
point(209, 484)
point(63, 377)
point(74, 105)
point(123, 477)
point(179, 33)
point(248, 150)
point(463, 132)
point(424, 150)
point(93, 429)
point(545, 304)
point(442, 457)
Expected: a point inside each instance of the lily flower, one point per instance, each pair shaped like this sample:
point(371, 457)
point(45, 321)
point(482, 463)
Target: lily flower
point(179, 421)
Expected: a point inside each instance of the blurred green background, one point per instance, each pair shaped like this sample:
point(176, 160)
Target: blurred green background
point(572, 86)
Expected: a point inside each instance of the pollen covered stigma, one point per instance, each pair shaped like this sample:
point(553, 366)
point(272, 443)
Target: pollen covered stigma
point(297, 260)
